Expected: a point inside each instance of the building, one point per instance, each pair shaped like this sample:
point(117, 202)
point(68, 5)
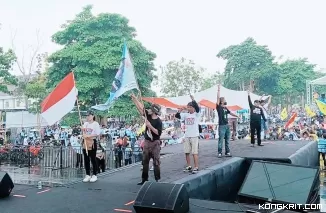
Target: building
point(12, 102)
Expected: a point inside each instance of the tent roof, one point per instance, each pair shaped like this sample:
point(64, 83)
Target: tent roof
point(238, 99)
point(161, 101)
point(232, 97)
point(319, 81)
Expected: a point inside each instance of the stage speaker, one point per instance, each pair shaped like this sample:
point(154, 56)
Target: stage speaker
point(156, 197)
point(6, 184)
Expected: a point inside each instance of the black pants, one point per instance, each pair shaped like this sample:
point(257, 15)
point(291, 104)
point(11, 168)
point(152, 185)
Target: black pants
point(79, 163)
point(90, 157)
point(118, 159)
point(100, 165)
point(128, 161)
point(255, 126)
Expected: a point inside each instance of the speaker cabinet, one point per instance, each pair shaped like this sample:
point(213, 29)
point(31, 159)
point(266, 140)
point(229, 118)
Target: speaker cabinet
point(156, 197)
point(6, 184)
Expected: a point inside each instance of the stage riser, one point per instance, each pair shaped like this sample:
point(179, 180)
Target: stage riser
point(306, 156)
point(223, 181)
point(226, 177)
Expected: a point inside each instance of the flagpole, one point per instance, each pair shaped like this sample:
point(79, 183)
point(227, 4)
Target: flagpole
point(80, 118)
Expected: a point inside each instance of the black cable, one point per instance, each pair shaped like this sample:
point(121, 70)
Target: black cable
point(280, 185)
point(269, 181)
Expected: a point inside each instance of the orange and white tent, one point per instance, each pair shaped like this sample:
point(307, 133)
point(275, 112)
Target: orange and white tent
point(236, 99)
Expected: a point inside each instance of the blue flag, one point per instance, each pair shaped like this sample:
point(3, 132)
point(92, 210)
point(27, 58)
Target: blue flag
point(124, 80)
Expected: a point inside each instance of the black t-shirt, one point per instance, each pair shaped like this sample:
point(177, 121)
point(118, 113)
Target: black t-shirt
point(222, 114)
point(157, 124)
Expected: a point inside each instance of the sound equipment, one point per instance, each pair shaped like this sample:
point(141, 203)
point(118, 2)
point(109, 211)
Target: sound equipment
point(156, 197)
point(6, 184)
point(281, 183)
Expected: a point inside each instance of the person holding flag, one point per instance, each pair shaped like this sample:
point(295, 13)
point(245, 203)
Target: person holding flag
point(152, 143)
point(91, 131)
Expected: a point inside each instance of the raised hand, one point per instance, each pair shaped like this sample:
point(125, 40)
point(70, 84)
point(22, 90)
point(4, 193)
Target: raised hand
point(192, 97)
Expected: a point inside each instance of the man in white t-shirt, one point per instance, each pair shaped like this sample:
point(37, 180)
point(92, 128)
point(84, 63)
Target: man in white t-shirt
point(191, 143)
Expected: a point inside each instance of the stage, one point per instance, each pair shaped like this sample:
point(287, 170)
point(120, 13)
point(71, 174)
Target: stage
point(115, 190)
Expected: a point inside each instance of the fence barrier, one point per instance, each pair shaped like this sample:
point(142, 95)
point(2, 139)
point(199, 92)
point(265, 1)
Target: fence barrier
point(62, 157)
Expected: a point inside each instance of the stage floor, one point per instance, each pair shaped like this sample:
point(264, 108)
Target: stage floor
point(116, 189)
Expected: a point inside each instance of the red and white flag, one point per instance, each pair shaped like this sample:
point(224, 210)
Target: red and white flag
point(290, 123)
point(60, 101)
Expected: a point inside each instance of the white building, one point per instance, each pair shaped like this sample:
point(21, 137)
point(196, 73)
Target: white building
point(12, 103)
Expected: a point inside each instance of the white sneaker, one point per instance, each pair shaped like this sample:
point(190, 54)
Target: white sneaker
point(151, 169)
point(87, 179)
point(93, 179)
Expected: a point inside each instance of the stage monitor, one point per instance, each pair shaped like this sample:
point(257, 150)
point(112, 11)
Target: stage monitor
point(280, 183)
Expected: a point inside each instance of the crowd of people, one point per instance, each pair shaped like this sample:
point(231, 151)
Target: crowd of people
point(142, 143)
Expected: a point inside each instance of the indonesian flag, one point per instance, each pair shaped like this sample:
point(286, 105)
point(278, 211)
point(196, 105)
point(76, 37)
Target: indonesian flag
point(60, 101)
point(291, 121)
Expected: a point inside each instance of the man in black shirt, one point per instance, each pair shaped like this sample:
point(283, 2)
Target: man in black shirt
point(223, 124)
point(152, 144)
point(256, 115)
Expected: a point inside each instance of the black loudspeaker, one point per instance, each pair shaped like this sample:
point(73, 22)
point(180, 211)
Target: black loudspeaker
point(6, 184)
point(156, 197)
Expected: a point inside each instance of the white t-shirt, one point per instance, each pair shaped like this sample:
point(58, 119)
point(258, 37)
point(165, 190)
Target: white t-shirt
point(92, 128)
point(191, 124)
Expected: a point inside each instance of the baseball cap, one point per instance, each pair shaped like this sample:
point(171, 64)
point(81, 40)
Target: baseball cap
point(156, 109)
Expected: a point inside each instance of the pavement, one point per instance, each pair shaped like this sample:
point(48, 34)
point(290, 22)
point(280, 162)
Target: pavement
point(115, 190)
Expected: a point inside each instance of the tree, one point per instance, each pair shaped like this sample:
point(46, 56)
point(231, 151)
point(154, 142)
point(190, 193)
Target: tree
point(92, 48)
point(180, 78)
point(212, 80)
point(248, 62)
point(6, 61)
point(292, 78)
point(36, 90)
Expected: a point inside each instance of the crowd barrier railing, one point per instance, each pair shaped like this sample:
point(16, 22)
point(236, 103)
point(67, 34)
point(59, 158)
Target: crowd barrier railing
point(59, 157)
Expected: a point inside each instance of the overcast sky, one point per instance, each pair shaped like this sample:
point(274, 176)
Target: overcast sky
point(173, 29)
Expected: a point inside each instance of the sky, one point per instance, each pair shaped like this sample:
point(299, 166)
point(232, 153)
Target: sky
point(194, 29)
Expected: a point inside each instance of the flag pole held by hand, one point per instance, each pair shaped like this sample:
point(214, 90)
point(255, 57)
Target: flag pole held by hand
point(80, 119)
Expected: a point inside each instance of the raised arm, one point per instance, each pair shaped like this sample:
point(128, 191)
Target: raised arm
point(218, 94)
point(139, 106)
point(195, 104)
point(249, 100)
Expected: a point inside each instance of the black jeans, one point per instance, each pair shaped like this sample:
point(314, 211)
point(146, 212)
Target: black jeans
point(255, 126)
point(79, 163)
point(90, 157)
point(100, 165)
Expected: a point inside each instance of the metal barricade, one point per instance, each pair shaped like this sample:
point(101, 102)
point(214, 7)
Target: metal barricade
point(62, 156)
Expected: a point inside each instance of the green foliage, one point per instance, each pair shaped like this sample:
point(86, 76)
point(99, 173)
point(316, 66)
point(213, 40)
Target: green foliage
point(249, 61)
point(6, 61)
point(180, 78)
point(70, 119)
point(92, 48)
point(36, 90)
point(212, 80)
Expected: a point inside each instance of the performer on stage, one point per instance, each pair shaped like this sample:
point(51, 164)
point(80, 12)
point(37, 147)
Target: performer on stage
point(152, 143)
point(223, 124)
point(91, 130)
point(256, 115)
point(191, 145)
